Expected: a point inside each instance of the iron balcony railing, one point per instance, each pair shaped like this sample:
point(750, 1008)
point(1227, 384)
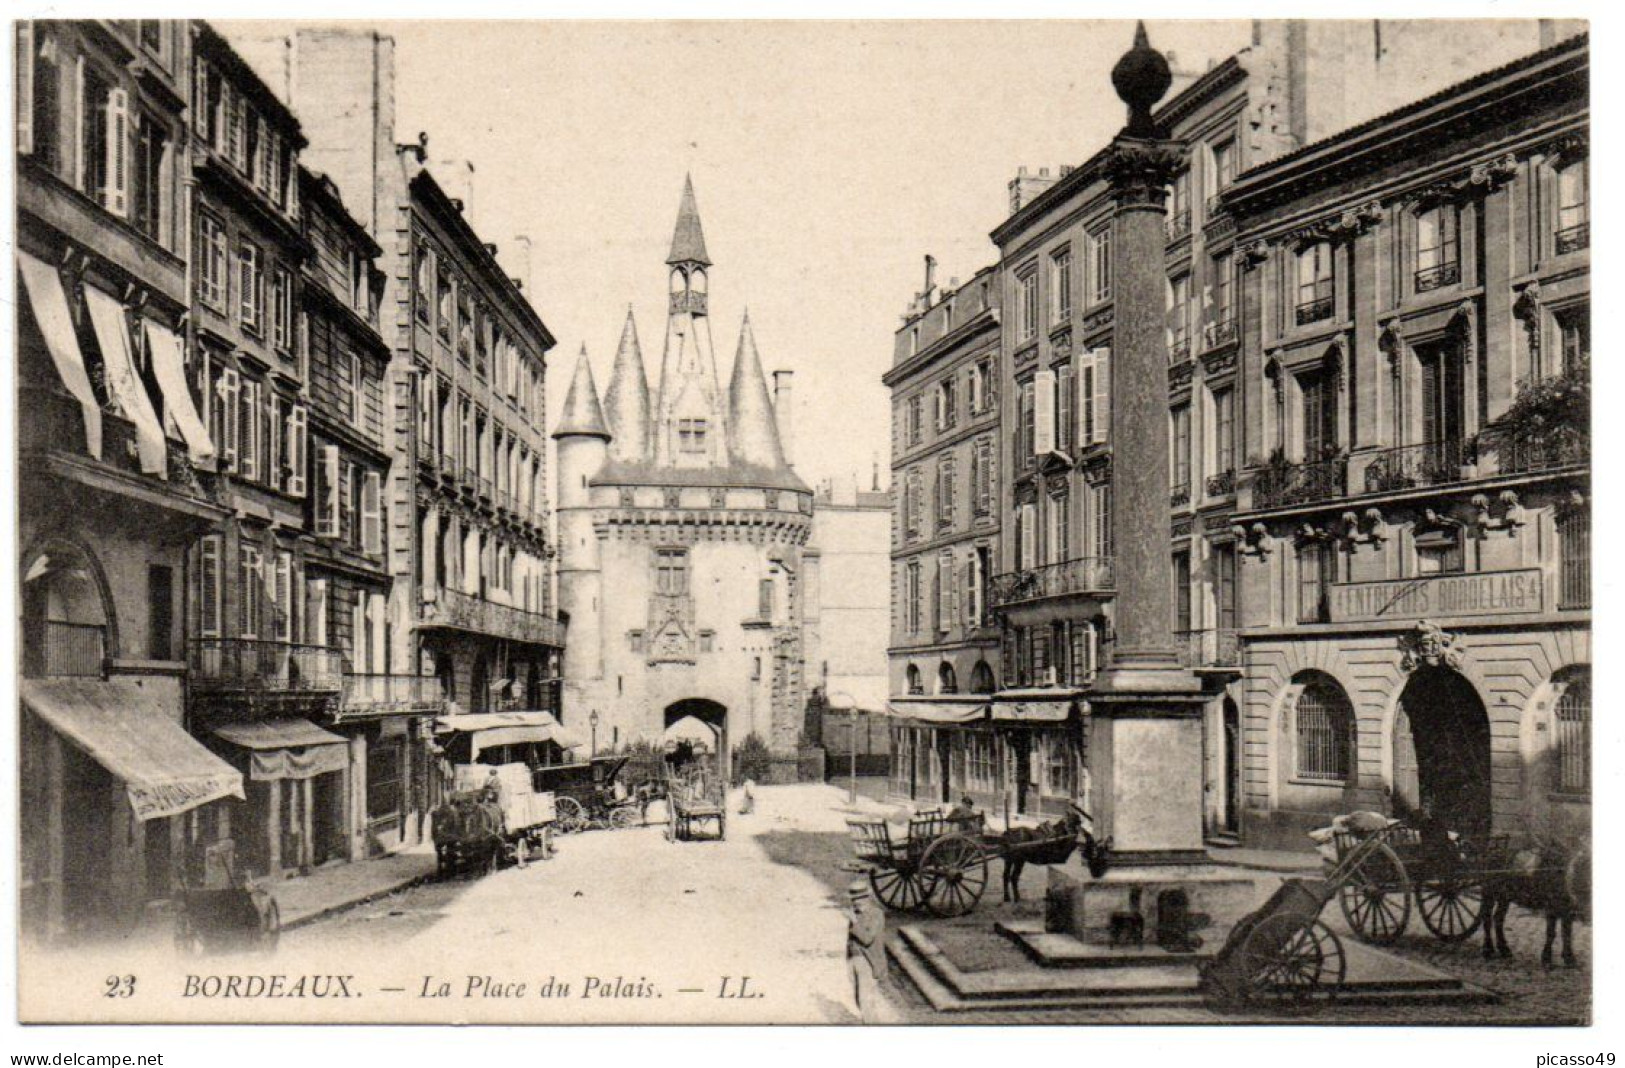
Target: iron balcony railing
point(1178, 224)
point(1432, 463)
point(51, 421)
point(1280, 485)
point(1529, 457)
point(1313, 311)
point(1222, 484)
point(56, 649)
point(1213, 647)
point(1087, 574)
point(1573, 238)
point(446, 607)
point(1445, 274)
point(1217, 334)
point(1179, 349)
point(250, 664)
point(1179, 496)
point(384, 692)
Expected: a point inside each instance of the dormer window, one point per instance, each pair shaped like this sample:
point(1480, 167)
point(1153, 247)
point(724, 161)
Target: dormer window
point(691, 437)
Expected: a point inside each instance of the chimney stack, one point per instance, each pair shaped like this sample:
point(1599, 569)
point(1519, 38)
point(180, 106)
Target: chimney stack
point(521, 265)
point(456, 177)
point(781, 412)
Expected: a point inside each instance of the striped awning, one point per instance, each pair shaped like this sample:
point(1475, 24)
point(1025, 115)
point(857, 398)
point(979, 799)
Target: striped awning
point(938, 711)
point(491, 729)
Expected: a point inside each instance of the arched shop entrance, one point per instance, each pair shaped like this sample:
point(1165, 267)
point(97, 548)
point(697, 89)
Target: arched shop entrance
point(1442, 750)
point(681, 717)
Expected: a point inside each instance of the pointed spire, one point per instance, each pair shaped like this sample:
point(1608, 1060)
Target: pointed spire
point(752, 423)
point(627, 401)
point(582, 416)
point(688, 240)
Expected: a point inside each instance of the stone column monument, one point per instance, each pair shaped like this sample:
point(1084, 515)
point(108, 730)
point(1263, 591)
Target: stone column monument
point(1145, 750)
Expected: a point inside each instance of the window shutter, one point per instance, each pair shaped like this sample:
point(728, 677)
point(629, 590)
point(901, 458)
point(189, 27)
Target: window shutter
point(248, 429)
point(275, 428)
point(945, 583)
point(298, 444)
point(227, 389)
point(25, 86)
point(262, 165)
point(1043, 413)
point(358, 635)
point(372, 520)
point(316, 611)
point(1029, 536)
point(347, 516)
point(327, 511)
point(116, 197)
point(79, 126)
point(282, 594)
point(973, 591)
point(200, 97)
point(209, 587)
point(1103, 394)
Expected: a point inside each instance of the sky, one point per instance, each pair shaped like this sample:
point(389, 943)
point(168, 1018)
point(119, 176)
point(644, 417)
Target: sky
point(828, 158)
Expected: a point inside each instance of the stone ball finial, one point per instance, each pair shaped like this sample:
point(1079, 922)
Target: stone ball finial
point(1141, 78)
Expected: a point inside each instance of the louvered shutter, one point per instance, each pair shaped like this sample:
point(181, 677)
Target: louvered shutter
point(372, 519)
point(327, 511)
point(316, 611)
point(359, 646)
point(1043, 413)
point(25, 86)
point(262, 164)
point(944, 584)
point(1066, 388)
point(347, 517)
point(1103, 394)
point(209, 587)
point(298, 445)
point(248, 422)
point(200, 97)
point(276, 435)
point(226, 392)
point(116, 195)
point(281, 588)
point(973, 590)
point(1086, 399)
point(1029, 536)
point(79, 127)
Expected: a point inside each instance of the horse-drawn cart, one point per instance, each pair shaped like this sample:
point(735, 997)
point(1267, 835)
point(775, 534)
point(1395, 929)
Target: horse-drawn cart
point(695, 802)
point(493, 816)
point(1400, 864)
point(591, 794)
point(220, 912)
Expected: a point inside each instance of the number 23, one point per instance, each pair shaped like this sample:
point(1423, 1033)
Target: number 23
point(119, 986)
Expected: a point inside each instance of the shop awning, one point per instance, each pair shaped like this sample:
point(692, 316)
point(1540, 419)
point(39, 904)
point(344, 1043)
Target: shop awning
point(491, 729)
point(126, 729)
point(113, 335)
point(50, 304)
point(1034, 705)
point(286, 748)
point(938, 711)
point(165, 347)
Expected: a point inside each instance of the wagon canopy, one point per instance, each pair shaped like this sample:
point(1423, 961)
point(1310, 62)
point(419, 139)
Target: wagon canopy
point(130, 732)
point(487, 730)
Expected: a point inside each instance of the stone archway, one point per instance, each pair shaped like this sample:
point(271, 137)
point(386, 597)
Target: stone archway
point(1442, 749)
point(713, 715)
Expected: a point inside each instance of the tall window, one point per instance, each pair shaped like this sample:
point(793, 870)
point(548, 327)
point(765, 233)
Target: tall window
point(1066, 388)
point(1221, 310)
point(916, 419)
point(104, 121)
point(1224, 167)
point(1574, 336)
point(1025, 426)
point(691, 437)
point(946, 496)
point(1027, 305)
point(982, 386)
point(1060, 292)
point(1572, 744)
point(1442, 396)
point(147, 196)
point(1438, 260)
point(1224, 431)
point(1324, 722)
point(1060, 529)
point(1317, 570)
point(443, 304)
point(1100, 266)
point(1315, 283)
point(423, 282)
point(947, 403)
point(1182, 591)
point(211, 240)
point(251, 591)
point(1179, 450)
point(38, 45)
point(1319, 395)
point(1224, 587)
point(1100, 509)
point(764, 599)
point(671, 572)
point(1179, 206)
point(1574, 558)
point(282, 309)
point(1573, 207)
point(1179, 302)
point(911, 599)
point(982, 476)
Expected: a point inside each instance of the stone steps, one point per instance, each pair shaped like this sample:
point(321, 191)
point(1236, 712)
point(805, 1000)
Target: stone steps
point(1376, 978)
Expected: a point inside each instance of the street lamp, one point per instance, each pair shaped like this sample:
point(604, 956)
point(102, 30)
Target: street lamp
point(592, 720)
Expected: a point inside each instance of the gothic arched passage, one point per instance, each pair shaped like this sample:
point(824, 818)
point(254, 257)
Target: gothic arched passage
point(1450, 738)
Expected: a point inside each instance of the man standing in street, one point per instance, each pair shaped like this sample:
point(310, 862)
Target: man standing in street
point(866, 952)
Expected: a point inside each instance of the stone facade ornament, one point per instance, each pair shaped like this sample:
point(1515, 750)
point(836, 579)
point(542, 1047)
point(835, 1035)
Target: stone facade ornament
point(1141, 172)
point(1252, 254)
point(1570, 147)
point(1348, 224)
point(1428, 645)
point(1527, 308)
point(1482, 178)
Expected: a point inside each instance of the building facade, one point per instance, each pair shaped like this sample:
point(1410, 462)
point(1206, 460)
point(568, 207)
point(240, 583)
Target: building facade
point(1414, 556)
point(681, 536)
point(115, 482)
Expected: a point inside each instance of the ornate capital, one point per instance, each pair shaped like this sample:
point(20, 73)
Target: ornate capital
point(1252, 254)
point(1570, 147)
point(1428, 645)
point(1141, 171)
point(1349, 224)
point(1527, 304)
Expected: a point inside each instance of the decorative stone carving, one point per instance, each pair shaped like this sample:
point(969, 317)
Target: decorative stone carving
point(1484, 177)
point(1570, 147)
point(1348, 224)
point(1180, 374)
point(1252, 254)
point(1099, 320)
point(1366, 528)
point(1140, 171)
point(671, 635)
point(1254, 540)
point(1428, 645)
point(1527, 308)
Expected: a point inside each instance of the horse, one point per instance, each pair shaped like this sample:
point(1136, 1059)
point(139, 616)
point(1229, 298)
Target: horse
point(1548, 877)
point(1051, 843)
point(468, 832)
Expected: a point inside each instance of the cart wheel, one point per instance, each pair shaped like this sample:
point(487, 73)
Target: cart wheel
point(1376, 898)
point(900, 891)
point(722, 827)
point(271, 926)
point(623, 817)
point(1286, 958)
point(570, 815)
point(954, 872)
point(671, 825)
point(1452, 908)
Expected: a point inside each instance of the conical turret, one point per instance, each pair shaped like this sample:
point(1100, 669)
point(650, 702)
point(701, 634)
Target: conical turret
point(753, 427)
point(582, 416)
point(627, 402)
point(688, 240)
